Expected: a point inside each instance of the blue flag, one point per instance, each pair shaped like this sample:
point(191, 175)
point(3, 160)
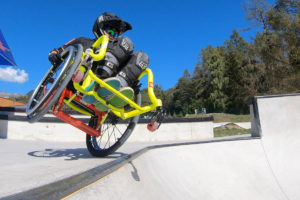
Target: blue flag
point(6, 57)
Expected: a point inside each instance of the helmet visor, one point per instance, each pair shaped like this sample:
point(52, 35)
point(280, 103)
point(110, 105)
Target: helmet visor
point(111, 32)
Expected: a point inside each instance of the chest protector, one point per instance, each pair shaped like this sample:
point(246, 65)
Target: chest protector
point(117, 54)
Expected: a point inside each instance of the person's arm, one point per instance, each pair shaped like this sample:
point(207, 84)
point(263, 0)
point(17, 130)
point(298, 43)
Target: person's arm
point(54, 56)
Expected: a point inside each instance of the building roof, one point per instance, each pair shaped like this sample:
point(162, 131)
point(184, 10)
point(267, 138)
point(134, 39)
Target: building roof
point(8, 103)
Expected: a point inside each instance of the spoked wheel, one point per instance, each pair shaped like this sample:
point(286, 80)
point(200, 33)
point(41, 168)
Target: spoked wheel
point(53, 84)
point(114, 133)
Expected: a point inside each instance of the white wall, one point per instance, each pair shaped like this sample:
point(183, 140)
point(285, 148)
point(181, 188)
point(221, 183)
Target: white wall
point(174, 131)
point(63, 132)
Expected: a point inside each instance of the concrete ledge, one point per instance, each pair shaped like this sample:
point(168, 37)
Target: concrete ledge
point(256, 130)
point(60, 132)
point(173, 132)
point(63, 132)
point(14, 125)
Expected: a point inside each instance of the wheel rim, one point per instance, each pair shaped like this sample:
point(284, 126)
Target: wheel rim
point(48, 84)
point(114, 132)
point(111, 133)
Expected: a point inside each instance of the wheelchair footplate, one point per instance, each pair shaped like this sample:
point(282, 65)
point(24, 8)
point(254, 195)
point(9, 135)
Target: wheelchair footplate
point(156, 120)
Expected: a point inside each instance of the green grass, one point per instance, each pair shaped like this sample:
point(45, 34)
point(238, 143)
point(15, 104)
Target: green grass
point(230, 130)
point(223, 133)
point(222, 117)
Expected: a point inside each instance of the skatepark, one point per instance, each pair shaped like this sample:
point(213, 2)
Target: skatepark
point(182, 161)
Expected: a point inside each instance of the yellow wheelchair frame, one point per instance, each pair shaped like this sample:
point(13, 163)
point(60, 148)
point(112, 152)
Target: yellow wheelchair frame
point(102, 42)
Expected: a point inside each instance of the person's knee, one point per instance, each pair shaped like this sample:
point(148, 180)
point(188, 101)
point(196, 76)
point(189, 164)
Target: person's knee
point(135, 66)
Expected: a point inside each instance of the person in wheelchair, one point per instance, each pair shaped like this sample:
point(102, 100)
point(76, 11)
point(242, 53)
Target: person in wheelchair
point(120, 67)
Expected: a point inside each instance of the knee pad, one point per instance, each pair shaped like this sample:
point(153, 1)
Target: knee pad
point(108, 66)
point(135, 66)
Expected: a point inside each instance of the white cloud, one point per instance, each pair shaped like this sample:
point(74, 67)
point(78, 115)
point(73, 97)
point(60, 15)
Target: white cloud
point(10, 74)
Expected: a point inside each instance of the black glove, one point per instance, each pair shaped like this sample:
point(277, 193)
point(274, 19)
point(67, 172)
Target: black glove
point(55, 58)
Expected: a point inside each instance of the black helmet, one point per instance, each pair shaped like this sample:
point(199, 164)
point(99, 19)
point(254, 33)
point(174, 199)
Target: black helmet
point(110, 20)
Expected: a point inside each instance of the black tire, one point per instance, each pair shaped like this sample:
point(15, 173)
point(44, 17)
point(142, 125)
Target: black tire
point(54, 82)
point(114, 133)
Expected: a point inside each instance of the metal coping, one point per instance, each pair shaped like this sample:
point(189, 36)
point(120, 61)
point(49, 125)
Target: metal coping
point(13, 109)
point(86, 120)
point(252, 99)
point(277, 95)
point(63, 188)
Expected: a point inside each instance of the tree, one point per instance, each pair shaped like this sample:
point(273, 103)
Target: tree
point(237, 59)
point(284, 20)
point(256, 13)
point(278, 46)
point(211, 80)
point(168, 103)
point(226, 76)
point(183, 94)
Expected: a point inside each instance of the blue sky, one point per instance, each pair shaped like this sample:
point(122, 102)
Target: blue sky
point(171, 32)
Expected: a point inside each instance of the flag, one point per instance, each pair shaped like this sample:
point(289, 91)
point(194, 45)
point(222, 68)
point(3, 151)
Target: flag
point(6, 57)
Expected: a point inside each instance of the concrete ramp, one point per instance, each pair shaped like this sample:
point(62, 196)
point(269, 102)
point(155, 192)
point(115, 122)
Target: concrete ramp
point(279, 118)
point(262, 166)
point(266, 168)
point(225, 170)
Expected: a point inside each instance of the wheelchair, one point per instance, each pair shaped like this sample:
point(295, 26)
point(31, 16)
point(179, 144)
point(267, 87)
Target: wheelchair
point(65, 85)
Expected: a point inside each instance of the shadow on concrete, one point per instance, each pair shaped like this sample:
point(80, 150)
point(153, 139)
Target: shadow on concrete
point(70, 154)
point(134, 173)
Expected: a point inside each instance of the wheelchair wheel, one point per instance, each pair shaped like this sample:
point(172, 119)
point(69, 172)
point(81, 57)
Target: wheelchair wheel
point(53, 83)
point(114, 133)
